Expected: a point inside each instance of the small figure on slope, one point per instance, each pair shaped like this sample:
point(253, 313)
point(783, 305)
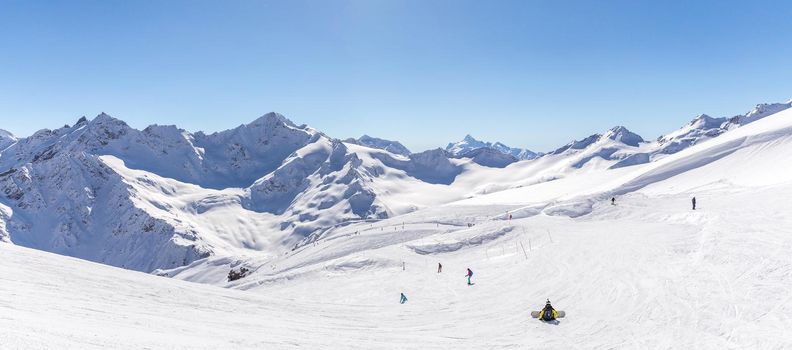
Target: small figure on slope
point(439, 267)
point(548, 313)
point(469, 275)
point(402, 299)
point(613, 200)
point(694, 202)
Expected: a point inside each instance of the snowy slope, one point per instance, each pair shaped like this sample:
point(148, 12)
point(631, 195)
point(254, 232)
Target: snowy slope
point(326, 270)
point(162, 197)
point(647, 273)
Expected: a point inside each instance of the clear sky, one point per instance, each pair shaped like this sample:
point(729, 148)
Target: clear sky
point(531, 74)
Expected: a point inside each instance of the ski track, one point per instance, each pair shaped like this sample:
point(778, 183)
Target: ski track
point(648, 272)
point(629, 276)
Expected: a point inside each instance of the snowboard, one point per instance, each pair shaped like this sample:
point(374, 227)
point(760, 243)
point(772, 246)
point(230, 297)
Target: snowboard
point(535, 314)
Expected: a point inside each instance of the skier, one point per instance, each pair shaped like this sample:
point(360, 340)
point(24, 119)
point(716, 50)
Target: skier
point(613, 200)
point(548, 313)
point(402, 299)
point(469, 275)
point(439, 267)
point(694, 203)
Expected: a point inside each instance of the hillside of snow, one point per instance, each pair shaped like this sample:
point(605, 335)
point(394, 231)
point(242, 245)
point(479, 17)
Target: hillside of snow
point(647, 272)
point(160, 198)
point(329, 233)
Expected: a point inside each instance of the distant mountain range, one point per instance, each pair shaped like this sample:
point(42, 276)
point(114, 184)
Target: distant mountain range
point(163, 197)
point(469, 143)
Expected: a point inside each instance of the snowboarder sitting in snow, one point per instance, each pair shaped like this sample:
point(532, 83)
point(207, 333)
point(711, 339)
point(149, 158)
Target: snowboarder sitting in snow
point(548, 313)
point(402, 299)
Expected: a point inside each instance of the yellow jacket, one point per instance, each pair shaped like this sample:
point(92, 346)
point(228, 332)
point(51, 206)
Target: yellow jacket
point(555, 314)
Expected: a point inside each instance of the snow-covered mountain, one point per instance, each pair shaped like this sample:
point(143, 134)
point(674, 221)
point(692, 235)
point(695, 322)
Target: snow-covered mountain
point(469, 143)
point(6, 139)
point(704, 127)
point(612, 147)
point(619, 147)
point(163, 197)
point(73, 190)
point(394, 147)
point(722, 268)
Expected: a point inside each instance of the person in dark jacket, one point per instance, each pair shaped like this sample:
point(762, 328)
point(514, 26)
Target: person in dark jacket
point(694, 202)
point(548, 313)
point(402, 299)
point(439, 267)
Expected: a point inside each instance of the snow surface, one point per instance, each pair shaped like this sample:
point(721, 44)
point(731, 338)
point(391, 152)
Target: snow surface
point(337, 231)
point(646, 273)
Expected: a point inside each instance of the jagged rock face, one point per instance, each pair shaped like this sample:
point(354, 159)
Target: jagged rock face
point(394, 147)
point(469, 143)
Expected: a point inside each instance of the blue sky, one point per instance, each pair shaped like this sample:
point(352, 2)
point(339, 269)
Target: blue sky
point(531, 74)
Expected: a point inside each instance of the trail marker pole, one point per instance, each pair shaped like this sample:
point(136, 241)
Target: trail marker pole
point(523, 249)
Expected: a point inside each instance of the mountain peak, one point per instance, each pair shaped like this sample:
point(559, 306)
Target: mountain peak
point(469, 138)
point(5, 134)
point(625, 136)
point(104, 118)
point(82, 120)
point(271, 118)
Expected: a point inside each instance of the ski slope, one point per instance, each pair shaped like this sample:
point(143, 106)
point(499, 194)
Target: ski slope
point(645, 273)
point(648, 272)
